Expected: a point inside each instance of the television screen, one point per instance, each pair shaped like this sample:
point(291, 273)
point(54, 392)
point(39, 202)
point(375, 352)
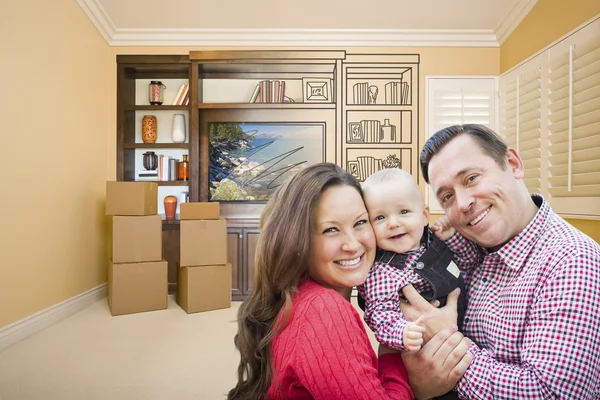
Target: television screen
point(248, 161)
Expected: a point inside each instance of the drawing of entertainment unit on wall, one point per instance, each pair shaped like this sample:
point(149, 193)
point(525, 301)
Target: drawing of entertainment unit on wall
point(379, 127)
point(367, 87)
point(364, 162)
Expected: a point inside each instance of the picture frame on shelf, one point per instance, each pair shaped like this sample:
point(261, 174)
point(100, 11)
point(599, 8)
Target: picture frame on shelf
point(355, 133)
point(316, 90)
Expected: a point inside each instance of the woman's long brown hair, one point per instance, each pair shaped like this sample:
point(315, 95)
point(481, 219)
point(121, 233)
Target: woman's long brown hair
point(281, 262)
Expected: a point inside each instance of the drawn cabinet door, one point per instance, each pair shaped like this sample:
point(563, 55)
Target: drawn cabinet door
point(250, 242)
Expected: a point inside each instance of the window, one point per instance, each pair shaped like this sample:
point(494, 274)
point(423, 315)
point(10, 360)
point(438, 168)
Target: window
point(550, 112)
point(455, 101)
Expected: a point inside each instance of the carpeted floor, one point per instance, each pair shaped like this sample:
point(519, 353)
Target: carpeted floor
point(92, 355)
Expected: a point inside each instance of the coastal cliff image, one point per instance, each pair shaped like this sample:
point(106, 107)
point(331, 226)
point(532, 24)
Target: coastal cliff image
point(248, 161)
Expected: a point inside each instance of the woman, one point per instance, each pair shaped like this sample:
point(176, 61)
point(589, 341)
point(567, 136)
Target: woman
point(298, 336)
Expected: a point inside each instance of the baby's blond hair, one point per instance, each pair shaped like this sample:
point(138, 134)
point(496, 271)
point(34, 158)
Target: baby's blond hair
point(388, 175)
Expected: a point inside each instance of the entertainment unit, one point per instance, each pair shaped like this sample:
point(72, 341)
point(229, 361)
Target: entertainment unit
point(255, 117)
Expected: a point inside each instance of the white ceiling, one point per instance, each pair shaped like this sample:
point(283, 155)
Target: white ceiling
point(307, 22)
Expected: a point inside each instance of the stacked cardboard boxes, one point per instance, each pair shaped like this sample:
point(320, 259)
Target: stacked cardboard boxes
point(204, 279)
point(137, 274)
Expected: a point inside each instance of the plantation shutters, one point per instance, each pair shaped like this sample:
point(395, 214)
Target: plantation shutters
point(574, 114)
point(457, 101)
point(521, 119)
point(554, 99)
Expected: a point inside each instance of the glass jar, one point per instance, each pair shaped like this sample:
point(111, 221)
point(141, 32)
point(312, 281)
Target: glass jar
point(156, 93)
point(183, 173)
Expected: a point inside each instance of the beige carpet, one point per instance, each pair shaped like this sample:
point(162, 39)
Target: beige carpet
point(92, 355)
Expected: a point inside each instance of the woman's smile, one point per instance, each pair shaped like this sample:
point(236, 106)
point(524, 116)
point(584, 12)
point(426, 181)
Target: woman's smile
point(350, 264)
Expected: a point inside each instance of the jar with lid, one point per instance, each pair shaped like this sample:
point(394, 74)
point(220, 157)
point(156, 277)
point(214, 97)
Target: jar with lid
point(156, 93)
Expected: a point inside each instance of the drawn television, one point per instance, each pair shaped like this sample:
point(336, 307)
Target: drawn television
point(248, 161)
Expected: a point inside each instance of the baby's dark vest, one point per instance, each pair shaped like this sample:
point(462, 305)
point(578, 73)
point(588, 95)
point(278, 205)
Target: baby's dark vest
point(432, 266)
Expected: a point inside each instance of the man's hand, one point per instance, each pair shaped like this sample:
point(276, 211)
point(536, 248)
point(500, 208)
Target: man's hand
point(437, 367)
point(433, 319)
point(442, 229)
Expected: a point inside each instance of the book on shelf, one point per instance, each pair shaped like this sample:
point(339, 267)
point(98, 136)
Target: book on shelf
point(167, 168)
point(269, 91)
point(172, 169)
point(148, 173)
point(181, 95)
point(360, 93)
point(396, 92)
point(255, 93)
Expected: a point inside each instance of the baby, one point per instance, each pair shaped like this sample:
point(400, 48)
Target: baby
point(407, 253)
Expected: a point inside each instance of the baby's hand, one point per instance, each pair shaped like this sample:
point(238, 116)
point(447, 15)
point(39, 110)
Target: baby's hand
point(442, 229)
point(412, 337)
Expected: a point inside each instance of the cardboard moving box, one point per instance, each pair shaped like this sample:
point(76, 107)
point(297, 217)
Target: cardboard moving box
point(137, 287)
point(203, 242)
point(200, 210)
point(204, 288)
point(131, 198)
point(134, 238)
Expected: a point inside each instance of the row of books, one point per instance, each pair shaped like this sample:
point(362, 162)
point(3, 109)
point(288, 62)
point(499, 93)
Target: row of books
point(166, 171)
point(183, 96)
point(268, 92)
point(396, 92)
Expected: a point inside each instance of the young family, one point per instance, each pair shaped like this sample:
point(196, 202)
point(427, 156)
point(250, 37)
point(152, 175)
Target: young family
point(523, 284)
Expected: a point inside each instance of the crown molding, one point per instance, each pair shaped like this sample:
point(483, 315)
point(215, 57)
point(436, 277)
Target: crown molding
point(510, 22)
point(302, 37)
point(283, 37)
point(96, 13)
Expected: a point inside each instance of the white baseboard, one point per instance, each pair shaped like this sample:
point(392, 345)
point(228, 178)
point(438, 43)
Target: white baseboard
point(41, 320)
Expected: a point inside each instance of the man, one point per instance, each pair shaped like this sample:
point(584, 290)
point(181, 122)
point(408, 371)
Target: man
point(533, 292)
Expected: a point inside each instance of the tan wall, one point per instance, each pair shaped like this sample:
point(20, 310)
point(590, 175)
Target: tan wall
point(548, 21)
point(60, 106)
point(55, 126)
point(53, 242)
point(545, 23)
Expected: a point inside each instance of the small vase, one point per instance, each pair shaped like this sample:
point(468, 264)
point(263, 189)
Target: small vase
point(387, 132)
point(178, 133)
point(149, 129)
point(150, 160)
point(170, 206)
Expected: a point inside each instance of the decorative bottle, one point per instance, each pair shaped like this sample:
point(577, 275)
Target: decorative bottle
point(156, 92)
point(149, 129)
point(184, 169)
point(178, 132)
point(388, 132)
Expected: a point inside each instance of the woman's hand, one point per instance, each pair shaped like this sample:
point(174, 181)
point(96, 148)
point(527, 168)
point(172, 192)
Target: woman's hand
point(433, 319)
point(437, 367)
